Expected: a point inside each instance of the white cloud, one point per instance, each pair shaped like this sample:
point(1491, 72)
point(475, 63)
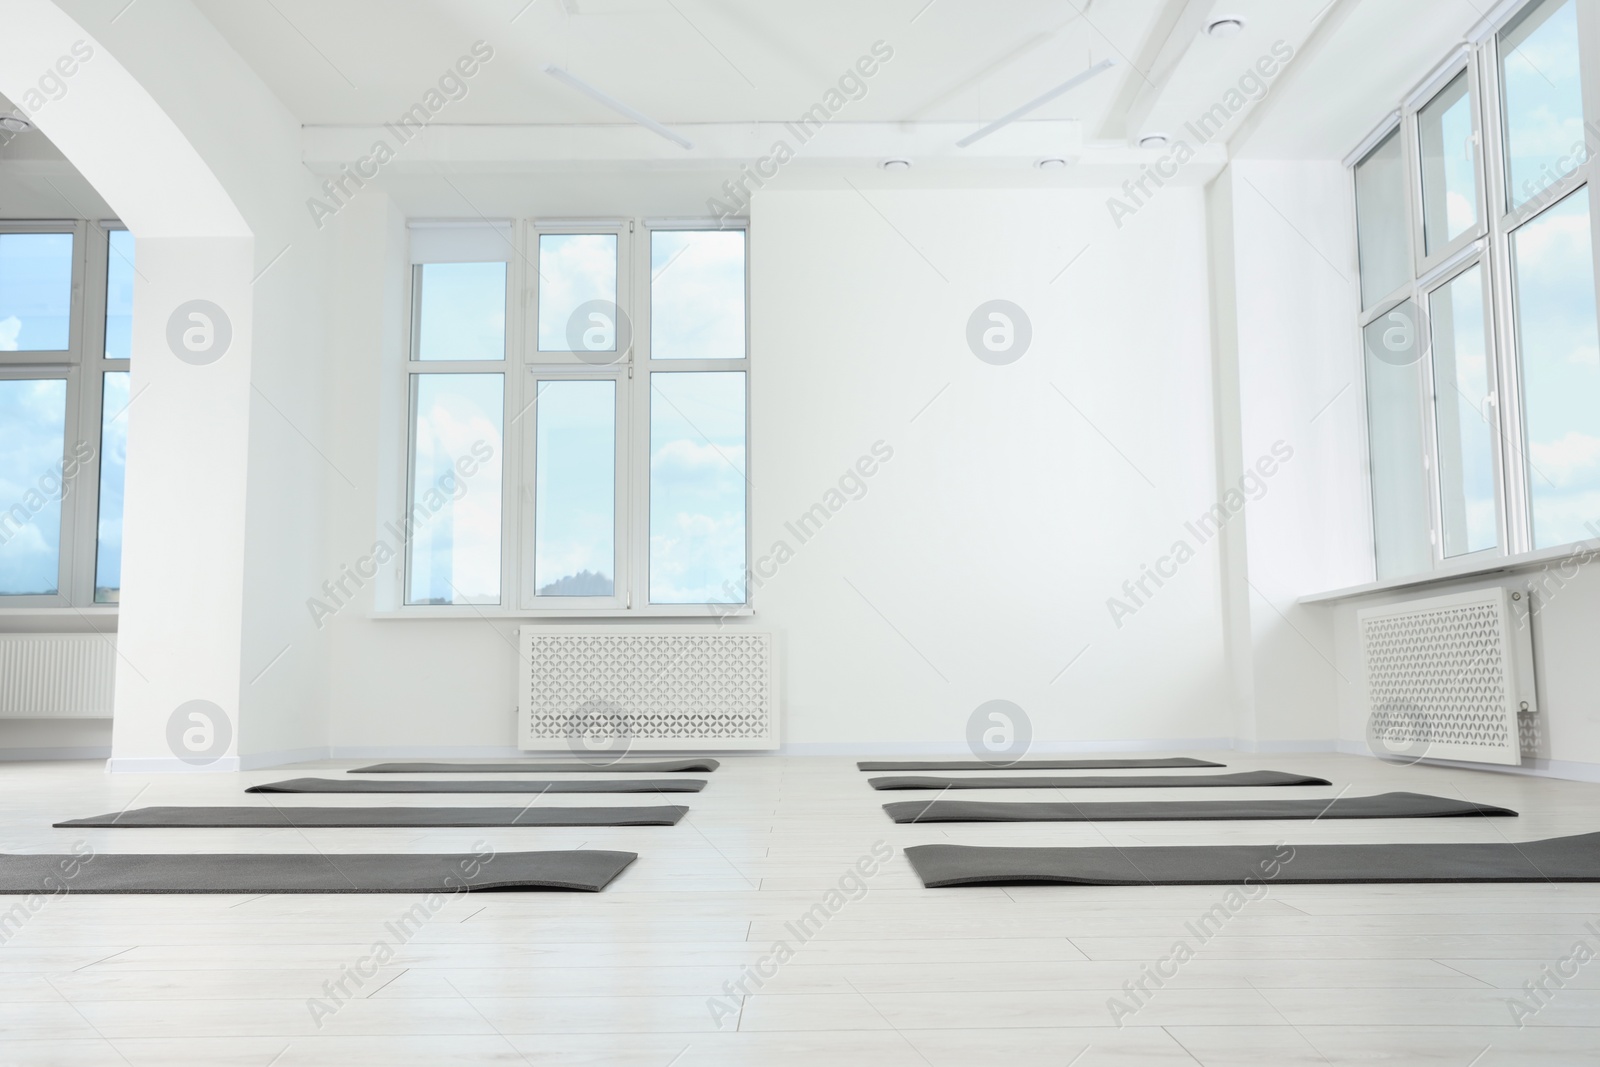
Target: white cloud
point(1568, 460)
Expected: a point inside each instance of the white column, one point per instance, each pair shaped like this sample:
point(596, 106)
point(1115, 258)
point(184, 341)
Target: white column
point(183, 538)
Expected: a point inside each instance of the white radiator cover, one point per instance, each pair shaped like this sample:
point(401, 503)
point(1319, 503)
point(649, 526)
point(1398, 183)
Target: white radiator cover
point(57, 676)
point(668, 689)
point(1451, 677)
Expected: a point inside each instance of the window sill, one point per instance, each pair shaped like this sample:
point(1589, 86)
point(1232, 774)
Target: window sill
point(1469, 568)
point(498, 613)
point(98, 611)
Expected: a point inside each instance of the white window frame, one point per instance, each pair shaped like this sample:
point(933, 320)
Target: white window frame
point(415, 369)
point(83, 365)
point(524, 368)
point(1488, 244)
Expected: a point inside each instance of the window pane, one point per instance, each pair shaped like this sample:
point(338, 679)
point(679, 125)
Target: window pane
point(1382, 238)
point(113, 463)
point(461, 311)
point(1449, 166)
point(1394, 433)
point(119, 294)
point(33, 427)
point(455, 489)
point(575, 269)
point(35, 292)
point(575, 488)
point(697, 294)
point(1557, 340)
point(1462, 414)
point(697, 488)
point(1543, 98)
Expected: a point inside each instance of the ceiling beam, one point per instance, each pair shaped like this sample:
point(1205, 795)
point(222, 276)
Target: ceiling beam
point(1172, 34)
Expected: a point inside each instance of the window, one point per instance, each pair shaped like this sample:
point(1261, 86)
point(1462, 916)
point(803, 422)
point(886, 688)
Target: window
point(575, 488)
point(1447, 148)
point(1553, 259)
point(1462, 415)
point(697, 480)
point(66, 302)
point(1381, 221)
point(1479, 316)
point(33, 433)
point(1542, 88)
point(621, 454)
point(1394, 440)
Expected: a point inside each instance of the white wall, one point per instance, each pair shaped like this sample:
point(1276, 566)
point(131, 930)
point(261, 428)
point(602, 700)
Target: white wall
point(1289, 262)
point(993, 539)
point(990, 542)
point(1283, 235)
point(252, 146)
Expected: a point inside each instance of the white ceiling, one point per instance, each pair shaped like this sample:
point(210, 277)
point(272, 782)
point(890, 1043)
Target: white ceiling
point(690, 63)
point(718, 67)
point(360, 62)
point(1373, 53)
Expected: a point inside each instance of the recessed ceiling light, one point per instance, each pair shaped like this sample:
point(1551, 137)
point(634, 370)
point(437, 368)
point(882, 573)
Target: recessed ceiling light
point(896, 164)
point(1154, 140)
point(1053, 163)
point(15, 124)
point(1225, 27)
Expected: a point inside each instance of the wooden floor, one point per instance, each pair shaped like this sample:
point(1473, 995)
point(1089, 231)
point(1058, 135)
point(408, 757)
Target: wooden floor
point(640, 974)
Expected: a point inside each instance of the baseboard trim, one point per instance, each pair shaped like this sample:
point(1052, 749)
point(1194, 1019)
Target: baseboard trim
point(168, 765)
point(1567, 770)
point(257, 760)
point(1285, 748)
point(68, 752)
point(426, 752)
point(947, 748)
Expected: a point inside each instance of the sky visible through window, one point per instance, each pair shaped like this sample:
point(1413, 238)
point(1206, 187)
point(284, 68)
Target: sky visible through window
point(697, 488)
point(113, 469)
point(1449, 165)
point(1543, 99)
point(697, 294)
point(119, 294)
point(33, 416)
point(1466, 443)
point(455, 552)
point(1560, 352)
point(35, 292)
point(575, 488)
point(463, 311)
point(574, 269)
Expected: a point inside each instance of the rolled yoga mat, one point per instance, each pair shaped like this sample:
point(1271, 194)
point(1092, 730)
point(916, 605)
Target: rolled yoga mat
point(590, 870)
point(1383, 806)
point(1157, 781)
point(1556, 859)
point(654, 767)
point(306, 818)
point(379, 785)
point(1039, 765)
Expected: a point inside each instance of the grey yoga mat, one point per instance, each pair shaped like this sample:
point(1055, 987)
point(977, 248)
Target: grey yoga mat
point(1556, 859)
point(1383, 806)
point(578, 766)
point(283, 818)
point(1038, 765)
point(392, 785)
point(1150, 781)
point(590, 870)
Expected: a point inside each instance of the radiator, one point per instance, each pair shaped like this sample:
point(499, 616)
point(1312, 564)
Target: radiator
point(57, 676)
point(659, 689)
point(1451, 677)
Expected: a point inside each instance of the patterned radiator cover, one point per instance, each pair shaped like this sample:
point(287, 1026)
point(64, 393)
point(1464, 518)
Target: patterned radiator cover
point(657, 689)
point(1450, 677)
